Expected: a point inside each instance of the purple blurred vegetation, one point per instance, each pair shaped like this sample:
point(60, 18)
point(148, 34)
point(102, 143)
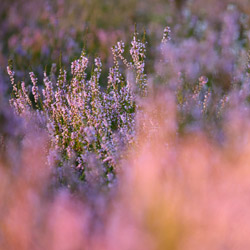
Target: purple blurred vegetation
point(115, 139)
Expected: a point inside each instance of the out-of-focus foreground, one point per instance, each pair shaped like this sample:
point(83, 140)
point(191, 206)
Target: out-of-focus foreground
point(173, 193)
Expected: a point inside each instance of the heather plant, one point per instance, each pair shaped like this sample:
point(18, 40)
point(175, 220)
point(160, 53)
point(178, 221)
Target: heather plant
point(203, 69)
point(83, 120)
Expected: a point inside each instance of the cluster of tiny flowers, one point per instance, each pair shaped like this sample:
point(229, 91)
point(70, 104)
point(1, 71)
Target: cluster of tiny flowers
point(202, 81)
point(83, 120)
point(18, 100)
point(137, 52)
point(35, 91)
point(166, 35)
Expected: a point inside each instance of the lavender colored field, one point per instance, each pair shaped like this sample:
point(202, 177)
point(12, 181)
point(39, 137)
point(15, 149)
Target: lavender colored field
point(123, 136)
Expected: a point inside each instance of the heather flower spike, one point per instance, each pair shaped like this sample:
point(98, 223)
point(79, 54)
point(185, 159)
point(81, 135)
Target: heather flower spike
point(166, 35)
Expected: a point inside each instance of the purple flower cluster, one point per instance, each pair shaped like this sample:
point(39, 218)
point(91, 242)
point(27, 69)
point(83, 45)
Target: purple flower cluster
point(82, 119)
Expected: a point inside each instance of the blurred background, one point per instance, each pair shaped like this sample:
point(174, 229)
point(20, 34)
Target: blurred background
point(38, 33)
